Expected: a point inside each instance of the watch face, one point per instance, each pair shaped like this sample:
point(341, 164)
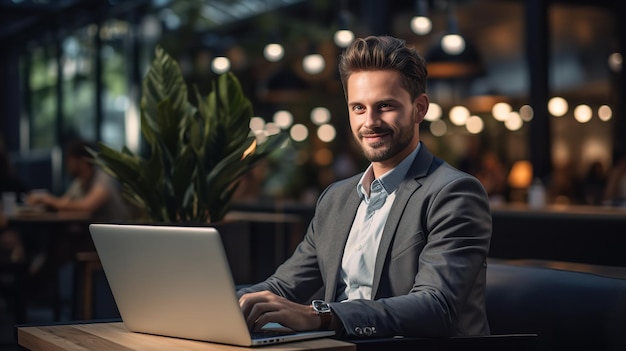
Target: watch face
point(320, 306)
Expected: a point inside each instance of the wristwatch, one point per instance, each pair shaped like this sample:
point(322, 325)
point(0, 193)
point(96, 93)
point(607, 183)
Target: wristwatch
point(323, 310)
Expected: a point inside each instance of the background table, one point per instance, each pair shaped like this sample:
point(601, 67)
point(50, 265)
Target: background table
point(115, 336)
point(51, 242)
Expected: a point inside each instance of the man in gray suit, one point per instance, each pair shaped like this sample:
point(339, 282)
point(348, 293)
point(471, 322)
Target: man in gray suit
point(399, 249)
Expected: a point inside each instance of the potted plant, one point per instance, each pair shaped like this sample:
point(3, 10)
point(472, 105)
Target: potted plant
point(197, 154)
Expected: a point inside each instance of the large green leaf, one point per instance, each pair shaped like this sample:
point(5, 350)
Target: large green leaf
point(236, 111)
point(196, 154)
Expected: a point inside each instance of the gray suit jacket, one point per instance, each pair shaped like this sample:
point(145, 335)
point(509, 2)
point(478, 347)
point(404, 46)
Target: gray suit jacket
point(429, 277)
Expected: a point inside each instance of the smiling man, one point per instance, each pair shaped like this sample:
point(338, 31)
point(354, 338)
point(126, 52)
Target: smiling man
point(399, 249)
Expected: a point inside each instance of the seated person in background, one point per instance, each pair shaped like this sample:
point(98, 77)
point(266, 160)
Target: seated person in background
point(399, 249)
point(615, 191)
point(91, 190)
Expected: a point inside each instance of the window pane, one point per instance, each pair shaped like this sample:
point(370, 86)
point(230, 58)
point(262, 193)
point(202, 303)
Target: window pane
point(43, 78)
point(79, 95)
point(115, 80)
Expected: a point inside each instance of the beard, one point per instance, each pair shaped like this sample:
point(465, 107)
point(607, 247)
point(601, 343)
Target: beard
point(384, 150)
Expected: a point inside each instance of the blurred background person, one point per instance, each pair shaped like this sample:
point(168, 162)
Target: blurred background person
point(493, 174)
point(615, 192)
point(593, 185)
point(91, 190)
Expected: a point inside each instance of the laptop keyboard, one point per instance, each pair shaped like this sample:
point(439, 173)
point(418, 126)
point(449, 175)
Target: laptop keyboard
point(268, 333)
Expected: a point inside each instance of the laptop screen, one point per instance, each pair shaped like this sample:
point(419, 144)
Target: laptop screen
point(174, 281)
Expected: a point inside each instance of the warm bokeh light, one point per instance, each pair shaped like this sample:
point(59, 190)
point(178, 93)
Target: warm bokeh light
point(343, 38)
point(438, 128)
point(459, 115)
point(323, 157)
point(527, 113)
point(273, 52)
point(272, 128)
point(220, 65)
point(326, 133)
point(132, 122)
point(615, 62)
point(434, 112)
point(299, 132)
point(261, 136)
point(257, 123)
point(283, 119)
point(605, 113)
point(320, 115)
point(513, 122)
point(521, 175)
point(557, 106)
point(421, 25)
point(313, 63)
point(583, 113)
point(501, 111)
point(561, 152)
point(453, 44)
point(474, 124)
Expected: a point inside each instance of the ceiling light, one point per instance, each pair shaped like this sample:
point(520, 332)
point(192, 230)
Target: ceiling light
point(557, 106)
point(474, 125)
point(421, 24)
point(583, 113)
point(500, 111)
point(452, 43)
point(257, 123)
point(283, 119)
point(313, 63)
point(527, 113)
point(434, 112)
point(299, 132)
point(438, 128)
point(320, 115)
point(605, 113)
point(326, 133)
point(343, 37)
point(513, 122)
point(220, 65)
point(615, 62)
point(273, 52)
point(459, 115)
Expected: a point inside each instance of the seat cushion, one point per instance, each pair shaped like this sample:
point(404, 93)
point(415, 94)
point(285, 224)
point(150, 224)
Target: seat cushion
point(566, 309)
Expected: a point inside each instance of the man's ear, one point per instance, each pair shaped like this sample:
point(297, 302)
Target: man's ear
point(420, 106)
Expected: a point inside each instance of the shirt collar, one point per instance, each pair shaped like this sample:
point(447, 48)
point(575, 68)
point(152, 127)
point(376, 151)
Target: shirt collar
point(390, 180)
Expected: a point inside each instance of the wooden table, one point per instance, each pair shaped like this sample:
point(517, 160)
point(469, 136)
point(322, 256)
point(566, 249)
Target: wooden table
point(115, 336)
point(47, 217)
point(55, 238)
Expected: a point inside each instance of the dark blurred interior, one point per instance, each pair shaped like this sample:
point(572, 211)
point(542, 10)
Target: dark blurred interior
point(535, 98)
point(74, 68)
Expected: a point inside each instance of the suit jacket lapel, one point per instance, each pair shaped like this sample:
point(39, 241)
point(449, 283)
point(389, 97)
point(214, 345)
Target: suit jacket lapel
point(407, 188)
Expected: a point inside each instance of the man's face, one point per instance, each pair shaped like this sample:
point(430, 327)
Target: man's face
point(383, 118)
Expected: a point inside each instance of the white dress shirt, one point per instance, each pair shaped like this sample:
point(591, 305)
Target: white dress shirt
point(359, 255)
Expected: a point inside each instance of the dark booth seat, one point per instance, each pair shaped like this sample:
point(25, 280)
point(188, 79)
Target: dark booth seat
point(569, 310)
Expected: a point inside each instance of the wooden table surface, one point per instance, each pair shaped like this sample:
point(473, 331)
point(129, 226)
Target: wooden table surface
point(115, 336)
point(49, 217)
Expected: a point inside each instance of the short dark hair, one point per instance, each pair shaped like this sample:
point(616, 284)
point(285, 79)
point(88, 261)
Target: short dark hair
point(385, 53)
point(79, 148)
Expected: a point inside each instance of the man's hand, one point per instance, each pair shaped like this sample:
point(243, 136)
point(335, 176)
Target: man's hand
point(264, 307)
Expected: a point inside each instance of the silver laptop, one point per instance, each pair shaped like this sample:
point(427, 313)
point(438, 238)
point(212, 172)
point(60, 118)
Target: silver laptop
point(176, 281)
